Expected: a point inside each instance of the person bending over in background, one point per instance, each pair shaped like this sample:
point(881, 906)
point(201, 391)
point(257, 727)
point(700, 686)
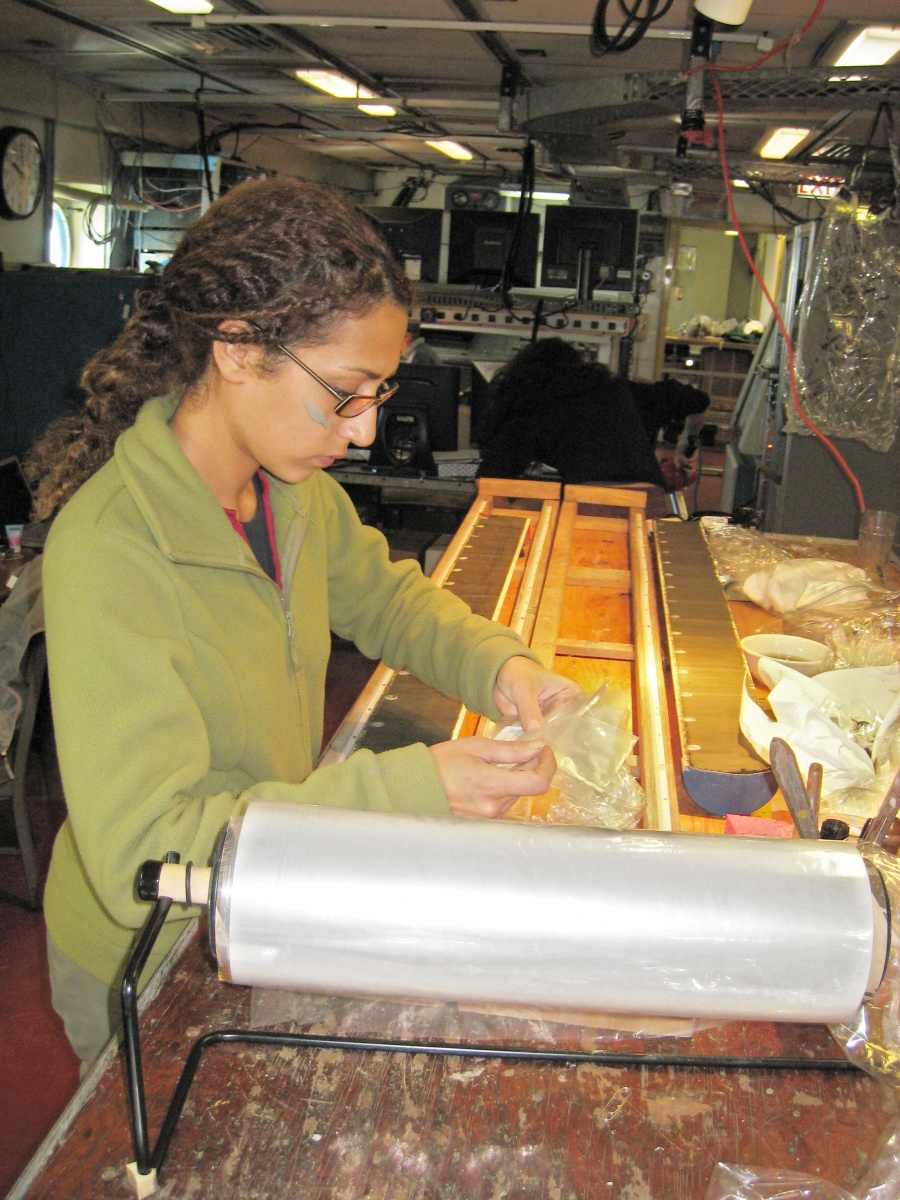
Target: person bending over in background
point(548, 405)
point(193, 579)
point(675, 409)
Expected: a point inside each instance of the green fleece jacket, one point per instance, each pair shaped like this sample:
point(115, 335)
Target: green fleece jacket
point(185, 683)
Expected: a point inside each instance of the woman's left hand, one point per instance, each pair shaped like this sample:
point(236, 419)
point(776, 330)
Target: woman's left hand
point(525, 691)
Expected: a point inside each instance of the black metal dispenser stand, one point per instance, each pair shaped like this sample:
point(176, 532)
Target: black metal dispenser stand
point(143, 1171)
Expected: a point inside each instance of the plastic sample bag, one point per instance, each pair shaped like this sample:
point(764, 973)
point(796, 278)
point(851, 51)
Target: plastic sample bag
point(591, 743)
point(729, 1182)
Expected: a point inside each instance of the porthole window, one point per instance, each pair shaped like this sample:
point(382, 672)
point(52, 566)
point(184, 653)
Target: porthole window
point(60, 238)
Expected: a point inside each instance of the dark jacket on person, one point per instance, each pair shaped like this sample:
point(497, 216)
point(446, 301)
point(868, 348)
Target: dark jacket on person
point(589, 432)
point(666, 405)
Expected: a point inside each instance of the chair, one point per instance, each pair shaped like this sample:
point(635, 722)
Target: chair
point(23, 672)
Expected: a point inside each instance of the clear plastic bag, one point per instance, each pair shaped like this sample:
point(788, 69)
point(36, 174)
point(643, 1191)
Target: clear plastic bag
point(730, 1182)
point(848, 343)
point(871, 1039)
point(881, 1181)
point(738, 553)
point(808, 583)
point(865, 638)
point(591, 742)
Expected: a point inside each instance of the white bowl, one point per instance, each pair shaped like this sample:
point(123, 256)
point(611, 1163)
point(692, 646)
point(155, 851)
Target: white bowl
point(803, 654)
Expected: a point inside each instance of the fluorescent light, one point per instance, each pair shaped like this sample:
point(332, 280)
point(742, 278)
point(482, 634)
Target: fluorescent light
point(740, 183)
point(731, 233)
point(871, 48)
point(515, 194)
point(377, 110)
point(194, 7)
point(335, 85)
point(782, 142)
point(452, 150)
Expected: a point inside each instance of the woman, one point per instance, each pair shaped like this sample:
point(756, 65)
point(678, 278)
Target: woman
point(550, 406)
point(192, 582)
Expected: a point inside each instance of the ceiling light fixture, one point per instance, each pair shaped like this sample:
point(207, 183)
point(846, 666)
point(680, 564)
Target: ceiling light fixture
point(515, 194)
point(875, 46)
point(335, 85)
point(186, 7)
point(740, 183)
point(452, 150)
point(782, 142)
point(377, 110)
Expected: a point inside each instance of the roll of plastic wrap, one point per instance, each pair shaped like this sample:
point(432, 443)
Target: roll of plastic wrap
point(346, 902)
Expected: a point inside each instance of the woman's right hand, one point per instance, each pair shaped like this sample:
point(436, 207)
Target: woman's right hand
point(484, 778)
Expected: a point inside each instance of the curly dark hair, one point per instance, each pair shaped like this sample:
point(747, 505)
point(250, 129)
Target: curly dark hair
point(536, 379)
point(289, 259)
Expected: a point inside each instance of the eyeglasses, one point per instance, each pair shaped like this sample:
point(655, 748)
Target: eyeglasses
point(349, 404)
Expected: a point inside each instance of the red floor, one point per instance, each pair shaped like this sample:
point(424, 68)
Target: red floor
point(38, 1069)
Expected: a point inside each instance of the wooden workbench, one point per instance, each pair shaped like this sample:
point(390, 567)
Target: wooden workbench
point(338, 1125)
point(263, 1123)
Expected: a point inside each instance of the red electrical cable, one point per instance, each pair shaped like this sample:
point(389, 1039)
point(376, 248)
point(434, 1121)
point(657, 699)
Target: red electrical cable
point(817, 12)
point(726, 175)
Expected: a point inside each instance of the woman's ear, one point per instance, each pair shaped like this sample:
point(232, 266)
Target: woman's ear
point(234, 360)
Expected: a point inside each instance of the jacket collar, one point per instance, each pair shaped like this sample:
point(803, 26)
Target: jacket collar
point(184, 517)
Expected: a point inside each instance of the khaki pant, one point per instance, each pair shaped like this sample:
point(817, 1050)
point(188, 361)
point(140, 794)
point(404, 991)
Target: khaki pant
point(90, 1010)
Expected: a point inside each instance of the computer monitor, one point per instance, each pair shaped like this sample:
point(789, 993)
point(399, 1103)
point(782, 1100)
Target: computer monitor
point(480, 243)
point(421, 418)
point(588, 249)
point(414, 236)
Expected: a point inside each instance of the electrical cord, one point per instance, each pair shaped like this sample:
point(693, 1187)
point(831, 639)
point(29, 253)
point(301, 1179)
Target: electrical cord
point(759, 187)
point(788, 344)
point(634, 25)
point(726, 175)
point(204, 151)
point(526, 197)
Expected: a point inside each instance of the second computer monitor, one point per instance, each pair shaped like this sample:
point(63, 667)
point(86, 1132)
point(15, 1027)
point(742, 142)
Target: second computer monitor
point(480, 244)
point(589, 249)
point(414, 236)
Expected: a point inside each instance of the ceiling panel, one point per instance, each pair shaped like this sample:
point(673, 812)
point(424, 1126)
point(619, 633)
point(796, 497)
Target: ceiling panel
point(448, 81)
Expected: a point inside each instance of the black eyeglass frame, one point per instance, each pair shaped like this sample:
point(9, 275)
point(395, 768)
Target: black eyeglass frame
point(382, 395)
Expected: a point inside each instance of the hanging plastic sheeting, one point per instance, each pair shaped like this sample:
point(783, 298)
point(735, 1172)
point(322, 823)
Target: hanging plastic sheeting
point(847, 351)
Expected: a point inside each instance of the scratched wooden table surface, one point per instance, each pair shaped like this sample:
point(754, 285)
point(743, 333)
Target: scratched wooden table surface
point(328, 1125)
point(331, 1125)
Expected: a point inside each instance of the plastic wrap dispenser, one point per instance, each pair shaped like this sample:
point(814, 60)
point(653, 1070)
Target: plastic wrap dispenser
point(347, 902)
point(650, 923)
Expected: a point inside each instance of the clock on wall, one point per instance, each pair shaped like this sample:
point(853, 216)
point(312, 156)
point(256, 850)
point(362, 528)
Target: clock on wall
point(21, 172)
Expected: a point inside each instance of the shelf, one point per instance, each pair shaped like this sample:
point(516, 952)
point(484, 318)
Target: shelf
point(715, 365)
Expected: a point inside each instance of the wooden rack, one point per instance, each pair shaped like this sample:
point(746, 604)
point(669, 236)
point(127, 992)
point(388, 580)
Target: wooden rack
point(496, 562)
point(598, 623)
point(577, 585)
